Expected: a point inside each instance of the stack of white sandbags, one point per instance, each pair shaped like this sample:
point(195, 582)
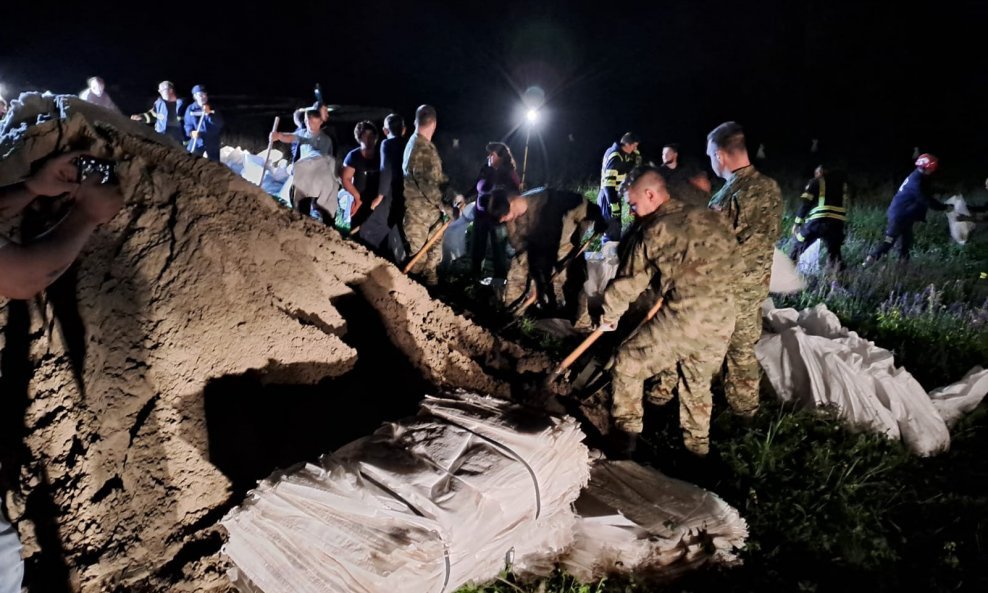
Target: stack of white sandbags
point(636, 520)
point(812, 360)
point(959, 231)
point(448, 497)
point(253, 166)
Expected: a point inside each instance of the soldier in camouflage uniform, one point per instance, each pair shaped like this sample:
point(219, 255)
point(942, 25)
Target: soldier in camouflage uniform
point(425, 195)
point(544, 229)
point(686, 256)
point(752, 203)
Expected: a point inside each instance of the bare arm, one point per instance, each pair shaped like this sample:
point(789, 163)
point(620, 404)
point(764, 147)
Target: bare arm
point(29, 269)
point(26, 270)
point(283, 137)
point(346, 177)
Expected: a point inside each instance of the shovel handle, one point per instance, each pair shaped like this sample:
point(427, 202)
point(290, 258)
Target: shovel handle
point(267, 158)
point(432, 241)
point(577, 352)
point(652, 312)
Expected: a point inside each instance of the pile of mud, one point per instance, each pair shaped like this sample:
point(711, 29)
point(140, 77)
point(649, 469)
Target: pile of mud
point(204, 322)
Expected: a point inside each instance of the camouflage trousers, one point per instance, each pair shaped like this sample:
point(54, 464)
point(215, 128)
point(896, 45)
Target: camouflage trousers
point(565, 289)
point(421, 221)
point(684, 353)
point(743, 373)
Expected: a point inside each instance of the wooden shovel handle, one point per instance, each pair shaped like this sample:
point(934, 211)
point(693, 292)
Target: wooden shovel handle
point(577, 352)
point(432, 241)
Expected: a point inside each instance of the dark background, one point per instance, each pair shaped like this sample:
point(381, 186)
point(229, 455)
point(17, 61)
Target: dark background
point(870, 80)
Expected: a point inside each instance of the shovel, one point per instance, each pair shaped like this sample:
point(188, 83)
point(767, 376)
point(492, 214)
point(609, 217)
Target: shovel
point(267, 158)
point(593, 337)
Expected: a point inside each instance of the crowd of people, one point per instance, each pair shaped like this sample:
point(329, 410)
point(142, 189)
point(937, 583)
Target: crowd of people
point(707, 256)
point(703, 259)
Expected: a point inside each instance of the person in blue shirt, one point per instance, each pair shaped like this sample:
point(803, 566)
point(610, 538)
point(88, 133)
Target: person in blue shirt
point(204, 138)
point(361, 170)
point(908, 207)
point(166, 113)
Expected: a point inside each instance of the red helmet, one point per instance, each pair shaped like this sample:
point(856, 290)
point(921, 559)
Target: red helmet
point(927, 163)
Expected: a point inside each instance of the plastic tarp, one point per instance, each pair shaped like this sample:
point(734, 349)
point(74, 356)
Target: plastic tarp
point(959, 231)
point(634, 519)
point(811, 360)
point(451, 496)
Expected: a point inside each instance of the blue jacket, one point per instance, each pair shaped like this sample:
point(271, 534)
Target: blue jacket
point(614, 168)
point(165, 117)
point(913, 199)
point(209, 135)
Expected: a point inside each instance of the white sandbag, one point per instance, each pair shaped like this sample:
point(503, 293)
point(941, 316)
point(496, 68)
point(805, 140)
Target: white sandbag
point(635, 520)
point(785, 278)
point(232, 157)
point(428, 504)
point(253, 166)
point(602, 267)
point(959, 231)
point(812, 360)
point(809, 260)
point(455, 237)
point(276, 155)
point(956, 400)
point(280, 172)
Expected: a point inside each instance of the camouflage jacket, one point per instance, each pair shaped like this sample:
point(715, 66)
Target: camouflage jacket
point(753, 205)
point(686, 253)
point(423, 170)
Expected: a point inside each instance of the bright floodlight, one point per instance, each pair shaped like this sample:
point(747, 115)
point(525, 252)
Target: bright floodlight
point(532, 116)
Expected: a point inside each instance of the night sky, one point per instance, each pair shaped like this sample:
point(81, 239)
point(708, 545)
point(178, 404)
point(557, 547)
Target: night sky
point(871, 81)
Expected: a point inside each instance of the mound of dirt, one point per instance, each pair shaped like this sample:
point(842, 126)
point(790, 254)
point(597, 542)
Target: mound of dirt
point(108, 449)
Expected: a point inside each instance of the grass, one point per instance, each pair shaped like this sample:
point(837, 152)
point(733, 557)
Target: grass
point(828, 509)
